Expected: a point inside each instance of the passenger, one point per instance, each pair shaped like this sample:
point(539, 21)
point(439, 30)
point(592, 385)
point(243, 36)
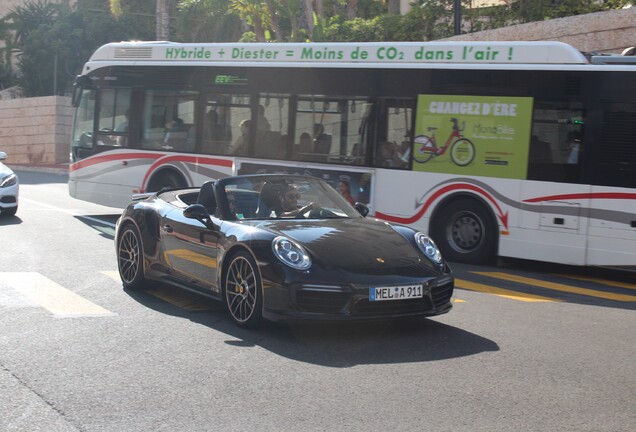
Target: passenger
point(574, 146)
point(123, 126)
point(345, 191)
point(239, 147)
point(262, 124)
point(304, 147)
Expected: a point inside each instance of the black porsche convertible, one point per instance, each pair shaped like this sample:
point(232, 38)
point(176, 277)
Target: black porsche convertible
point(281, 247)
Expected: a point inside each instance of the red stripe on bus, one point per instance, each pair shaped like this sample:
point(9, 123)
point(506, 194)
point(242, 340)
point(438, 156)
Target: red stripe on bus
point(459, 186)
point(180, 158)
point(110, 158)
point(578, 196)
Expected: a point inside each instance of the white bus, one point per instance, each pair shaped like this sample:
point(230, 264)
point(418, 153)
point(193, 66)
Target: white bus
point(510, 149)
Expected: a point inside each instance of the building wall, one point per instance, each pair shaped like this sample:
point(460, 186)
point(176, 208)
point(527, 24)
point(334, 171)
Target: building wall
point(36, 130)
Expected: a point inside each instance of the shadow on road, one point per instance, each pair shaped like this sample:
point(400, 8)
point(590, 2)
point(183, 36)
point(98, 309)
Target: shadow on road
point(338, 345)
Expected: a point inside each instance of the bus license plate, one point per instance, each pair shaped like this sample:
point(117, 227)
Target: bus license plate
point(396, 293)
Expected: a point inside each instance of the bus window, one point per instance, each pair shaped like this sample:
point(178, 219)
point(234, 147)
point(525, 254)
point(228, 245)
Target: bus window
point(82, 140)
point(331, 130)
point(169, 120)
point(556, 128)
point(112, 128)
point(227, 125)
point(272, 118)
point(394, 133)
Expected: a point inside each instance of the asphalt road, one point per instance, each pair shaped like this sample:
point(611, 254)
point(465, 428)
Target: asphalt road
point(527, 347)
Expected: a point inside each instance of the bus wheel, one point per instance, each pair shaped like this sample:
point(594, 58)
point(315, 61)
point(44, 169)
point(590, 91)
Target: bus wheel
point(465, 232)
point(166, 180)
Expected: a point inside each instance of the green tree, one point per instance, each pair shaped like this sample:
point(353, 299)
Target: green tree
point(206, 21)
point(53, 41)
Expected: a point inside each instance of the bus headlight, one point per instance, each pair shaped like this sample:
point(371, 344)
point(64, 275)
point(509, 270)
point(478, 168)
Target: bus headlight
point(428, 247)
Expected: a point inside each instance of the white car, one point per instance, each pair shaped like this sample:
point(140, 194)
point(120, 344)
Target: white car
point(9, 188)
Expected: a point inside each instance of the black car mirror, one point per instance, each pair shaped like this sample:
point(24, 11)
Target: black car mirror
point(362, 209)
point(200, 213)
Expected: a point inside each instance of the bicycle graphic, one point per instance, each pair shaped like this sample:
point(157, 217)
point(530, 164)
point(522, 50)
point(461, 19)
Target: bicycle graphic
point(462, 150)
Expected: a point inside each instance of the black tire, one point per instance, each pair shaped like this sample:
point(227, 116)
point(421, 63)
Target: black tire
point(465, 231)
point(9, 212)
point(465, 156)
point(166, 180)
point(242, 291)
point(423, 156)
point(130, 258)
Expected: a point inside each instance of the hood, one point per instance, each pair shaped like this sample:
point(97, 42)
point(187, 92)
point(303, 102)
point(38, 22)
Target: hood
point(355, 245)
point(5, 170)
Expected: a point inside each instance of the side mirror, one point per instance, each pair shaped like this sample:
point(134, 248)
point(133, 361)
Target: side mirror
point(3, 155)
point(200, 213)
point(362, 209)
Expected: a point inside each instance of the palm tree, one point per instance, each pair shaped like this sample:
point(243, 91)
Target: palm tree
point(162, 16)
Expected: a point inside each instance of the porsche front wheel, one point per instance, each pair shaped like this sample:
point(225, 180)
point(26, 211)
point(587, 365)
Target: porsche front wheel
point(242, 291)
point(130, 258)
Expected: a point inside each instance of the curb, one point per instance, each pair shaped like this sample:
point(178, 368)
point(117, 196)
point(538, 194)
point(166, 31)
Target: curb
point(60, 169)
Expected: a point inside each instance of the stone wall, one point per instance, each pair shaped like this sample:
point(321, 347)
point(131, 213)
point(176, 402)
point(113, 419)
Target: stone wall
point(36, 130)
point(607, 32)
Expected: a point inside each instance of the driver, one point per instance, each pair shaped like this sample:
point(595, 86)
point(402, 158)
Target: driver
point(289, 203)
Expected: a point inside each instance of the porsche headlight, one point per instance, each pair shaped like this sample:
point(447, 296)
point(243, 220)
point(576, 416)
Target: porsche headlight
point(9, 180)
point(291, 253)
point(428, 247)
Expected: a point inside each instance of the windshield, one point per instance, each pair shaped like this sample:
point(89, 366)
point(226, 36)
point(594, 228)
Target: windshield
point(283, 197)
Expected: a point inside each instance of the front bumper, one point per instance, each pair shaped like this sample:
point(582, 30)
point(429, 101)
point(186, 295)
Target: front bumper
point(348, 302)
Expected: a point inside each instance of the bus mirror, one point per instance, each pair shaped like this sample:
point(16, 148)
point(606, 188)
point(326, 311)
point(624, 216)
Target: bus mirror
point(80, 83)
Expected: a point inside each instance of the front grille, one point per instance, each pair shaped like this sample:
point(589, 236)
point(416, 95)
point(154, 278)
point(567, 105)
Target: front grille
point(393, 307)
point(321, 301)
point(8, 200)
point(442, 294)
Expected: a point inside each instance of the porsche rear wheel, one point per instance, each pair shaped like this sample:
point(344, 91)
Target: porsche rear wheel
point(242, 291)
point(130, 258)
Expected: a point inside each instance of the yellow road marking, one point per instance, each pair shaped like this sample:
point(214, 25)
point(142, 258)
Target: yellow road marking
point(58, 300)
point(559, 287)
point(601, 281)
point(114, 275)
point(472, 286)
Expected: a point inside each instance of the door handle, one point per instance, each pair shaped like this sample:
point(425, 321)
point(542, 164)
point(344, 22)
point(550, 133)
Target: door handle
point(168, 228)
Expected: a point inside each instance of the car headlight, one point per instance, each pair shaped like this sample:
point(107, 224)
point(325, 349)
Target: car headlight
point(9, 180)
point(428, 247)
point(291, 253)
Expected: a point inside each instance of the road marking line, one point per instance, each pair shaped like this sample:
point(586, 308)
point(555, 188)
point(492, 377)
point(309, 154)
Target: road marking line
point(114, 275)
point(472, 286)
point(61, 302)
point(601, 281)
point(70, 212)
point(559, 287)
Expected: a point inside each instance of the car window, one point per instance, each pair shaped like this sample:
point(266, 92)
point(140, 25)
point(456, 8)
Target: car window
point(281, 197)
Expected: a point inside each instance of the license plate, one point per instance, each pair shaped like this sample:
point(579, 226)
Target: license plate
point(396, 292)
